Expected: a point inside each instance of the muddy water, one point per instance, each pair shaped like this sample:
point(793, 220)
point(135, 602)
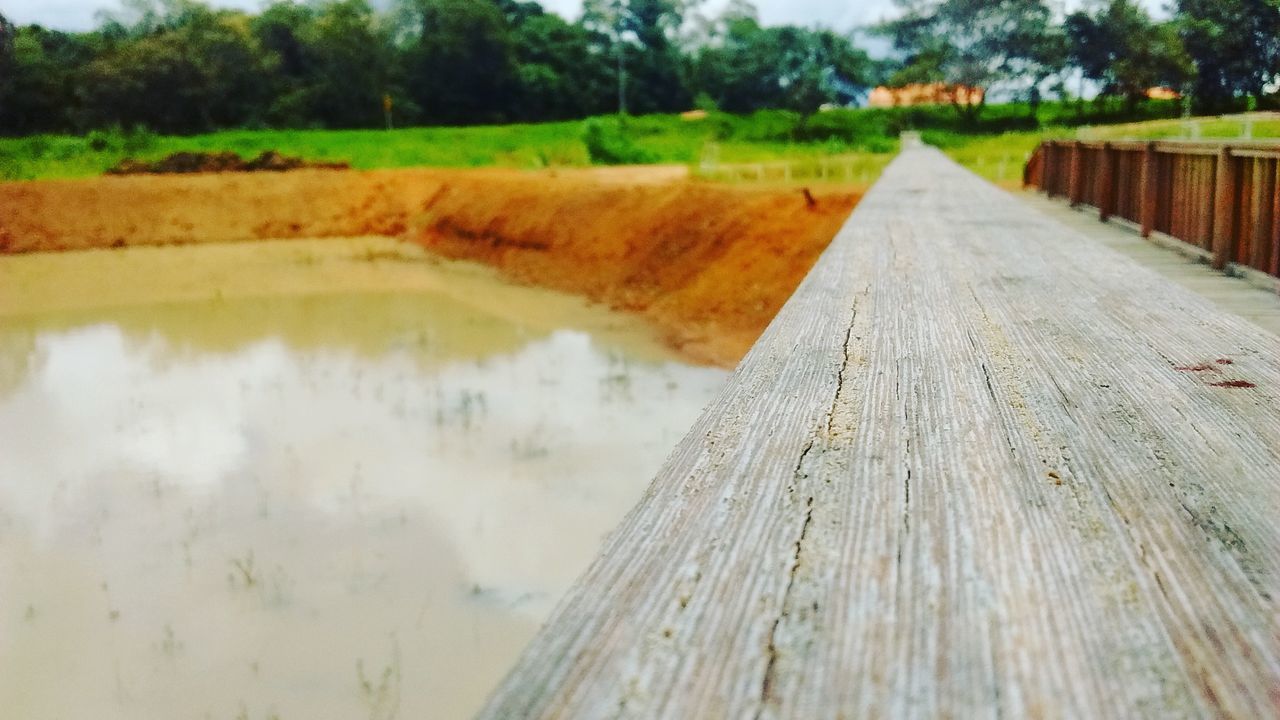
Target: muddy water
point(329, 479)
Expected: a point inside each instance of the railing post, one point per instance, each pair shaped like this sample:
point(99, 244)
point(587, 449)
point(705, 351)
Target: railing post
point(1036, 161)
point(1264, 191)
point(1075, 179)
point(1106, 182)
point(1273, 241)
point(1061, 167)
point(1224, 197)
point(1149, 196)
point(1047, 178)
point(1201, 185)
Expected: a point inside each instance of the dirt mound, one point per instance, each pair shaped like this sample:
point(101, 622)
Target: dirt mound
point(217, 162)
point(710, 265)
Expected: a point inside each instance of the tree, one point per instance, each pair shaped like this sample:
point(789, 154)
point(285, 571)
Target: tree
point(349, 61)
point(559, 73)
point(283, 29)
point(180, 67)
point(140, 18)
point(605, 21)
point(40, 79)
point(460, 67)
point(1120, 47)
point(639, 36)
point(6, 63)
point(1001, 46)
point(656, 81)
point(749, 67)
point(1235, 45)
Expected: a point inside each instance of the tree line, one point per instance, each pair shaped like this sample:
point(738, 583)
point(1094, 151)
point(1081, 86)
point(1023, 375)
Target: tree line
point(1218, 52)
point(180, 66)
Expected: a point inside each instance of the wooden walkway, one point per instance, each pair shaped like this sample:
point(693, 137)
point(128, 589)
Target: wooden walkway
point(979, 465)
point(1178, 261)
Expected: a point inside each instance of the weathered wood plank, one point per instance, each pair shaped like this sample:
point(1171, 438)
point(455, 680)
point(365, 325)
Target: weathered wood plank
point(978, 465)
point(1107, 169)
point(1264, 221)
point(1149, 192)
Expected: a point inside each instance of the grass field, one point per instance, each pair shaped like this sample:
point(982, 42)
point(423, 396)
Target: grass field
point(999, 158)
point(651, 139)
point(61, 156)
point(1260, 126)
point(996, 149)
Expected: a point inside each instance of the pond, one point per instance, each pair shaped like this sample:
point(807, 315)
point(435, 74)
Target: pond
point(330, 478)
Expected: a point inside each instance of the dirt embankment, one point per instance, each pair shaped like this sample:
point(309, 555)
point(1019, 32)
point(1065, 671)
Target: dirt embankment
point(710, 265)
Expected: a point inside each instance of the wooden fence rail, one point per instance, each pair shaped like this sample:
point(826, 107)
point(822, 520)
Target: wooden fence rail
point(1221, 197)
point(978, 466)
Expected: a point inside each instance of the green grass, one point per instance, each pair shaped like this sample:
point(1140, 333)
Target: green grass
point(1000, 158)
point(995, 148)
point(62, 156)
point(1210, 128)
point(664, 139)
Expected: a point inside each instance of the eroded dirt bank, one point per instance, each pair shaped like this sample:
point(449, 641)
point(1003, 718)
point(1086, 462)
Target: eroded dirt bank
point(710, 265)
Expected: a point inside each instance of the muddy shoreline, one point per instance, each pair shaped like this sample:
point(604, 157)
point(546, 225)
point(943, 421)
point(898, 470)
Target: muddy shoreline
point(709, 265)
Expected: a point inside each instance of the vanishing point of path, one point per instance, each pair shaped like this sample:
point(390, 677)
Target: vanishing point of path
point(979, 465)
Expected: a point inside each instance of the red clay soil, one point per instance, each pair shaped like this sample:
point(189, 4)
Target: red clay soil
point(710, 265)
point(182, 209)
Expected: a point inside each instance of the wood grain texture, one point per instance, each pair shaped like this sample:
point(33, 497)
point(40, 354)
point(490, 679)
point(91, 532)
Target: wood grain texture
point(1150, 190)
point(979, 465)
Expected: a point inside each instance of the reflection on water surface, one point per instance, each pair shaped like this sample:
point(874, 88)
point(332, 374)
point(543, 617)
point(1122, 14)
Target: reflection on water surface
point(342, 504)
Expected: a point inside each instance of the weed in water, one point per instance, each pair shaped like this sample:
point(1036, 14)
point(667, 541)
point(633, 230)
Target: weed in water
point(169, 643)
point(381, 695)
point(243, 574)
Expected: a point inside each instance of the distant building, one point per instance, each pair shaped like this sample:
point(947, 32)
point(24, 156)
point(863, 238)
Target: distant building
point(924, 94)
point(1163, 93)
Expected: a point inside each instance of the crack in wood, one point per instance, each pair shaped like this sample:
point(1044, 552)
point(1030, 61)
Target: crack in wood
point(766, 685)
point(799, 473)
point(844, 365)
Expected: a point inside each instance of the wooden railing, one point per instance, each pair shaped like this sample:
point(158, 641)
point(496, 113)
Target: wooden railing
point(1221, 197)
point(947, 480)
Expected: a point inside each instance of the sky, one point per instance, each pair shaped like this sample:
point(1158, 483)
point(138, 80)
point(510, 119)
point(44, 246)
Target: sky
point(839, 14)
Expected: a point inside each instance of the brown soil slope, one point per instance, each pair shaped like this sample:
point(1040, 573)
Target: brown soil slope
point(709, 264)
point(155, 210)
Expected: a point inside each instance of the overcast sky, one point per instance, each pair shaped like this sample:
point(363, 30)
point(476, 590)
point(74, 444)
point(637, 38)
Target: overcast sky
point(841, 14)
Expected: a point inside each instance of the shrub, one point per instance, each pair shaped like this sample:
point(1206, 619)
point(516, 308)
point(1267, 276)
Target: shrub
point(115, 140)
point(607, 144)
point(767, 126)
point(854, 127)
point(99, 141)
point(138, 139)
